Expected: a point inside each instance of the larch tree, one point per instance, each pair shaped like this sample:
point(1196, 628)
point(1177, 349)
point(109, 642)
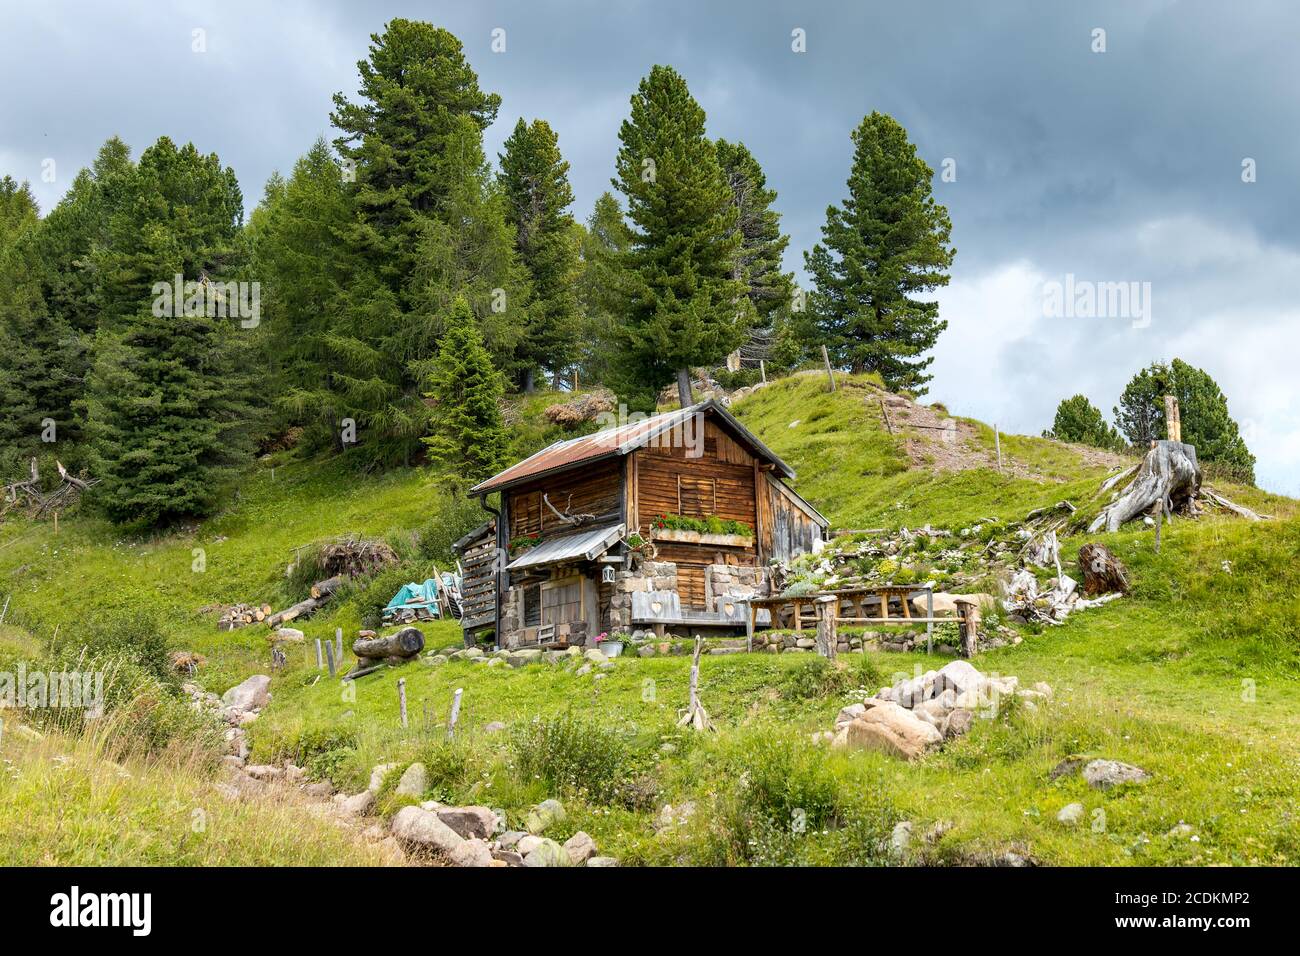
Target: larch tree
point(535, 180)
point(682, 305)
point(603, 245)
point(884, 245)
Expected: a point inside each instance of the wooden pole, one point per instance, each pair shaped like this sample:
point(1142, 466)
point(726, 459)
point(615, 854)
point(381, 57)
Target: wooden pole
point(338, 640)
point(885, 412)
point(830, 373)
point(749, 626)
point(997, 445)
point(329, 655)
point(762, 371)
point(929, 624)
point(320, 661)
point(5, 610)
point(1173, 419)
point(401, 697)
point(455, 712)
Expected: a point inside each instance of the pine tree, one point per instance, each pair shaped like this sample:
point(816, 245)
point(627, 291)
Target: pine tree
point(1202, 409)
point(168, 414)
point(467, 434)
point(428, 225)
point(535, 179)
point(682, 306)
point(1078, 420)
point(884, 244)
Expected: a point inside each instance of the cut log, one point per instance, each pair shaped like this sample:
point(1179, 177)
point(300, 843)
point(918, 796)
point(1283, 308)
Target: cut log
point(407, 642)
point(1102, 571)
point(323, 589)
point(695, 716)
point(1169, 473)
point(301, 609)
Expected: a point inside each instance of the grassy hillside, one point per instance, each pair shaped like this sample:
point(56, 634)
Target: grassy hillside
point(1195, 676)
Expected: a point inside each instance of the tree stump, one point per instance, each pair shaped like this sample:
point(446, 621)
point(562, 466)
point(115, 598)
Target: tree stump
point(1102, 571)
point(1169, 472)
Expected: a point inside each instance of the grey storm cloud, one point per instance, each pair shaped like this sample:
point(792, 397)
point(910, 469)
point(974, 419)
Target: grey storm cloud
point(1117, 166)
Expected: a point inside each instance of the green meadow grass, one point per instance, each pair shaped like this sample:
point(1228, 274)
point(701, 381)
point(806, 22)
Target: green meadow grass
point(1195, 677)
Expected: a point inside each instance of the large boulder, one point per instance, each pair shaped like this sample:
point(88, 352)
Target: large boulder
point(961, 676)
point(419, 828)
point(358, 805)
point(252, 694)
point(378, 774)
point(1104, 774)
point(470, 822)
point(527, 655)
point(893, 730)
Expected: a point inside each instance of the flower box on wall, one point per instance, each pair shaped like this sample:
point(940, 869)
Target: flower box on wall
point(703, 537)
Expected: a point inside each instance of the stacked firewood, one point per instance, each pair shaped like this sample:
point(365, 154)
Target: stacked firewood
point(242, 615)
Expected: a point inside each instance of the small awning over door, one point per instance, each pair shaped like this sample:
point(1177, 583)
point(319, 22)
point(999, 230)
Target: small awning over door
point(580, 546)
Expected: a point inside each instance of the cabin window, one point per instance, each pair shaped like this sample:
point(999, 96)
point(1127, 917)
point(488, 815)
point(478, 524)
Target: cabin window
point(532, 605)
point(562, 601)
point(696, 497)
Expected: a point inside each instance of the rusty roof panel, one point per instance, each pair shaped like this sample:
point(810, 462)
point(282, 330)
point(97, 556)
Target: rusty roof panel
point(618, 440)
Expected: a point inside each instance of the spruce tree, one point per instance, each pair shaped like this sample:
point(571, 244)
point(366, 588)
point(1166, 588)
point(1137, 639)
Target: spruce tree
point(758, 260)
point(535, 179)
point(887, 242)
point(467, 433)
point(1078, 420)
point(682, 305)
point(167, 398)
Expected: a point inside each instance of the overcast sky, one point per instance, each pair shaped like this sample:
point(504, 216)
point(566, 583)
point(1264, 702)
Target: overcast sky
point(1117, 166)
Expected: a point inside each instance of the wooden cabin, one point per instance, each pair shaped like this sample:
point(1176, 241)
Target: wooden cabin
point(663, 524)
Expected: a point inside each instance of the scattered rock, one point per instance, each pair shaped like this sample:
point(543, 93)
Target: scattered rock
point(470, 822)
point(288, 634)
point(901, 838)
point(894, 730)
point(1104, 774)
point(510, 839)
point(420, 828)
point(378, 774)
point(547, 853)
point(358, 805)
point(252, 694)
point(1071, 814)
point(602, 861)
point(494, 728)
point(472, 852)
point(509, 857)
point(414, 781)
point(544, 814)
point(580, 847)
point(527, 844)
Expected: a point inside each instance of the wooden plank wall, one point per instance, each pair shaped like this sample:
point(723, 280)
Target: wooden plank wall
point(789, 529)
point(720, 482)
point(478, 584)
point(595, 489)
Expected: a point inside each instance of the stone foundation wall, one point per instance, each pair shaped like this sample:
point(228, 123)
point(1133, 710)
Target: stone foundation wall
point(730, 584)
point(650, 576)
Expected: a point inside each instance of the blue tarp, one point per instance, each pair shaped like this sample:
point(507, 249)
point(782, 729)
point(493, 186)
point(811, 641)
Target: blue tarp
point(415, 596)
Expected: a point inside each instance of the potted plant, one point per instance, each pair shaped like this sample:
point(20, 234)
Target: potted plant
point(610, 648)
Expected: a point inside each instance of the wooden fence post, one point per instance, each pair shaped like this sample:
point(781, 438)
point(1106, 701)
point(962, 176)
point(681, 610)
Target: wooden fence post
point(997, 445)
point(827, 634)
point(401, 697)
point(455, 712)
point(749, 626)
point(338, 640)
point(830, 373)
point(320, 661)
point(329, 655)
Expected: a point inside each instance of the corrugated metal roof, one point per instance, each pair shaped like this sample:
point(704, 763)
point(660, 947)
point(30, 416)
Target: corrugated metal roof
point(618, 440)
point(587, 545)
